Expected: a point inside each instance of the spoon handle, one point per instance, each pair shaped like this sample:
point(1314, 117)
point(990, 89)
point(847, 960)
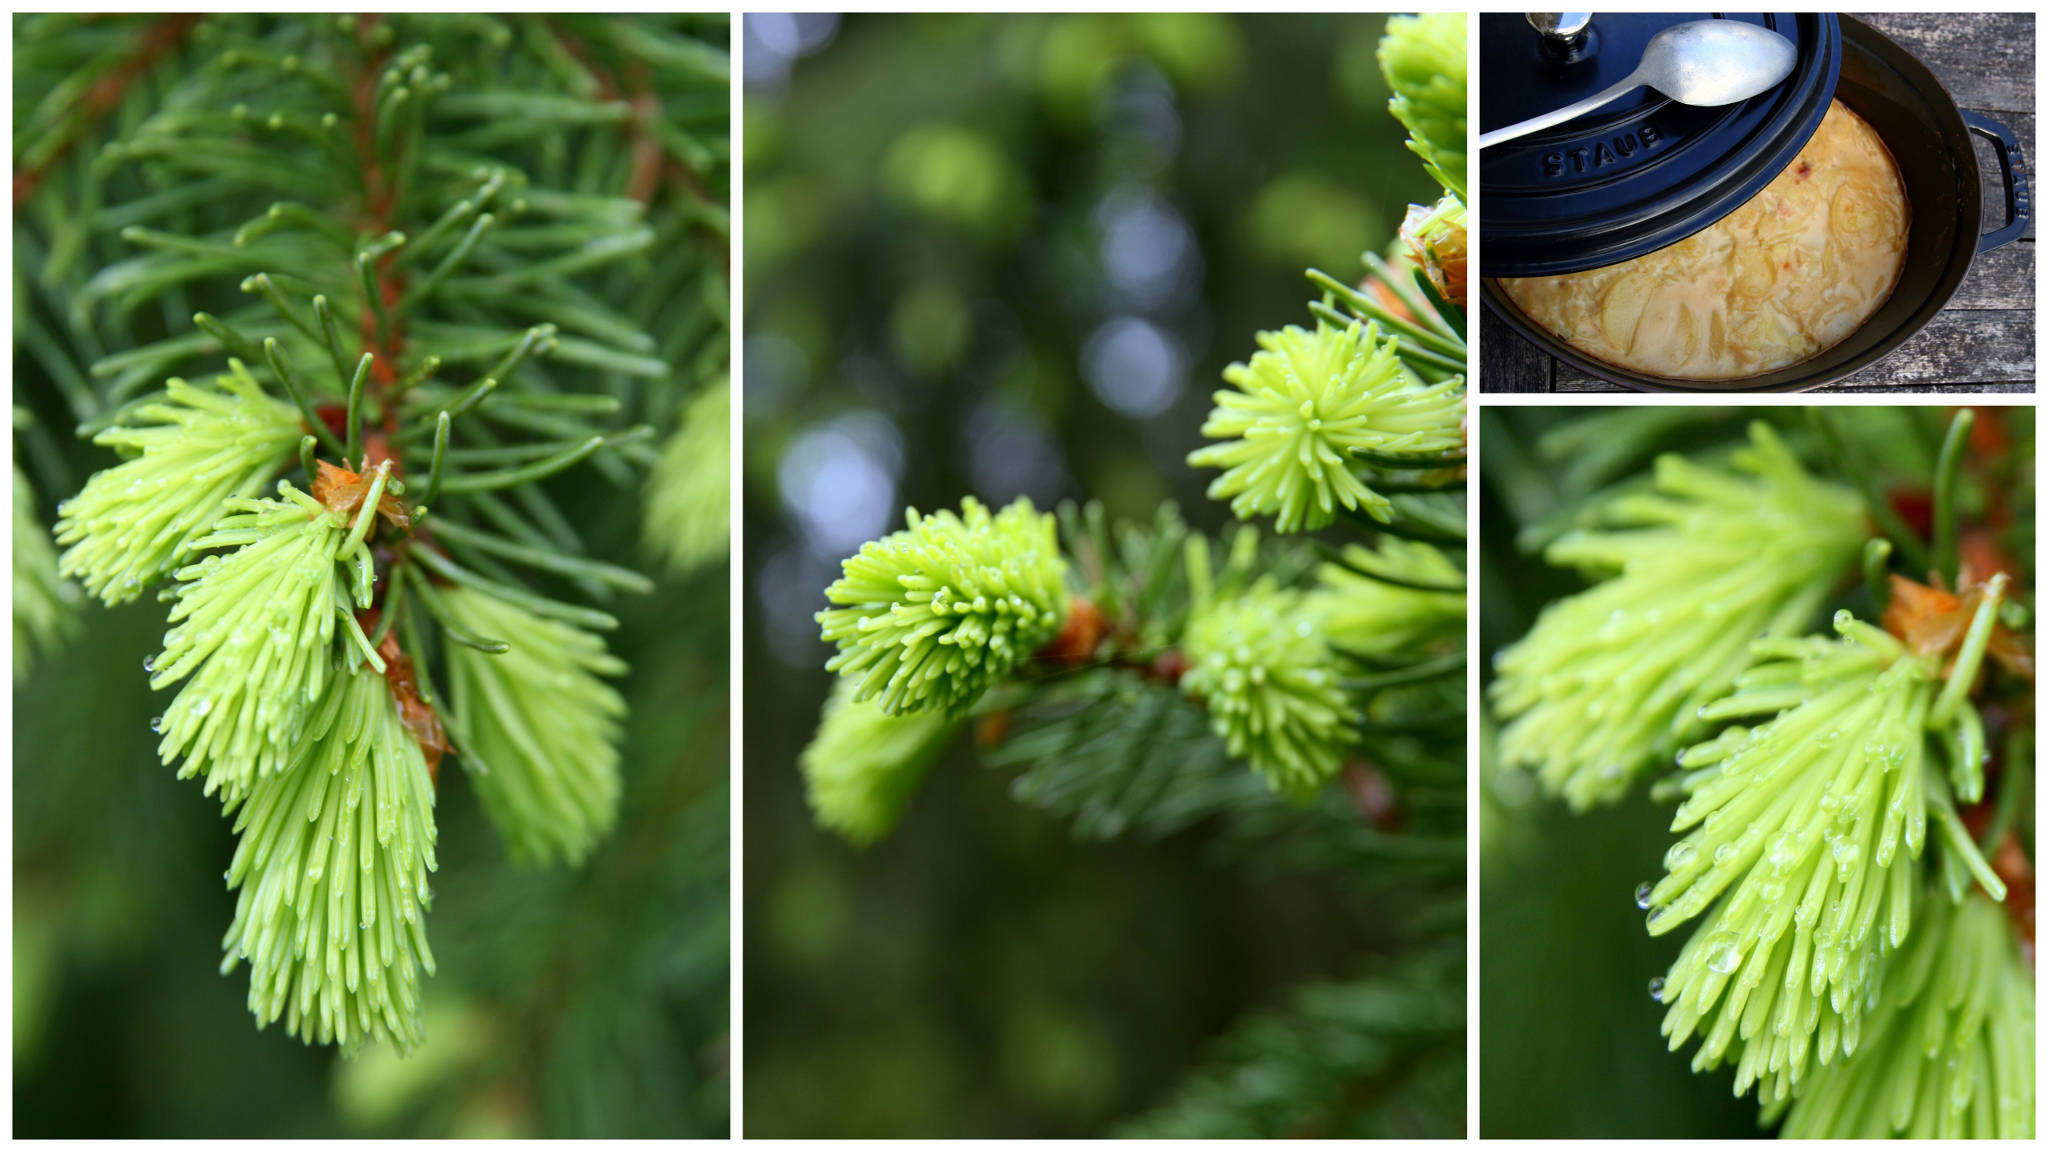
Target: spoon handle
point(1556, 116)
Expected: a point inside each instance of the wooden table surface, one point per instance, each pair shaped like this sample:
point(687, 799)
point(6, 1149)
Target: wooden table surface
point(1983, 341)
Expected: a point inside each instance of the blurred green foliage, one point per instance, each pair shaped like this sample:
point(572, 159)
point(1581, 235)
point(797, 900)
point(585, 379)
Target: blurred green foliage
point(1008, 256)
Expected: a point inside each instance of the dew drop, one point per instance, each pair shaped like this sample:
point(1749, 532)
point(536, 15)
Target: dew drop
point(1679, 856)
point(156, 724)
point(1643, 894)
point(1723, 956)
point(149, 663)
point(1657, 989)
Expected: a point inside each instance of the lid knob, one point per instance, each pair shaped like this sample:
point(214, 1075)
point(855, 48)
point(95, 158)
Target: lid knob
point(1560, 26)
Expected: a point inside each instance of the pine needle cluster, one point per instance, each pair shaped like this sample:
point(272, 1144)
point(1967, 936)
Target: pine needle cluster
point(189, 453)
point(1273, 688)
point(1300, 413)
point(934, 615)
point(1805, 833)
point(1610, 681)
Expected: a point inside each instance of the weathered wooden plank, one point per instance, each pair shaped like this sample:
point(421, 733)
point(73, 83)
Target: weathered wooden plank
point(2002, 387)
point(1508, 363)
point(1959, 347)
point(2010, 387)
point(1984, 59)
point(2000, 280)
point(1956, 347)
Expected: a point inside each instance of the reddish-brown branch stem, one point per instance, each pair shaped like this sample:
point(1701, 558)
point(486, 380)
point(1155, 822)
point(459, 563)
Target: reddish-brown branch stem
point(380, 201)
point(160, 40)
point(651, 167)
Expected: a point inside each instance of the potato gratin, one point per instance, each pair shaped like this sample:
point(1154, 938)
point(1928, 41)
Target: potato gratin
point(1789, 274)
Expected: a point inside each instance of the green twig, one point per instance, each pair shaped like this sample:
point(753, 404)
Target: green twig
point(624, 579)
point(1877, 557)
point(354, 449)
point(438, 608)
point(279, 364)
point(1945, 560)
point(553, 609)
point(1910, 546)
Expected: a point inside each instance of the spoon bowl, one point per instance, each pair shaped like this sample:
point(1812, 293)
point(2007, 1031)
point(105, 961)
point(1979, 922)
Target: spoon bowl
point(1705, 63)
point(1709, 63)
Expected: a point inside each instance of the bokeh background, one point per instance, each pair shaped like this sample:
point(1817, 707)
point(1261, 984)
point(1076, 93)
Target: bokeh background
point(1010, 256)
point(588, 1001)
point(1569, 1041)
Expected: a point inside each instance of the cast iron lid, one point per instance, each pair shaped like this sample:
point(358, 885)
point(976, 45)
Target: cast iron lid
point(1643, 172)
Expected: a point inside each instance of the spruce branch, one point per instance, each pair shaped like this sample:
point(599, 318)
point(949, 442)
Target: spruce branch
point(1852, 859)
point(428, 320)
point(1309, 719)
point(1380, 1057)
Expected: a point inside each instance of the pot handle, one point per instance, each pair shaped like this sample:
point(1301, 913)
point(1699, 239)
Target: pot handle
point(2019, 200)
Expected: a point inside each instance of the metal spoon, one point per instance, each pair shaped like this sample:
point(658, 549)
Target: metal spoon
point(1706, 63)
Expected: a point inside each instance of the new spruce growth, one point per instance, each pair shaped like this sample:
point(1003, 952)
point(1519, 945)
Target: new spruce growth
point(1423, 58)
point(933, 615)
point(253, 628)
point(1948, 1049)
point(188, 454)
point(1273, 689)
point(1800, 837)
point(1302, 412)
point(332, 872)
point(1611, 680)
point(690, 488)
point(541, 725)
